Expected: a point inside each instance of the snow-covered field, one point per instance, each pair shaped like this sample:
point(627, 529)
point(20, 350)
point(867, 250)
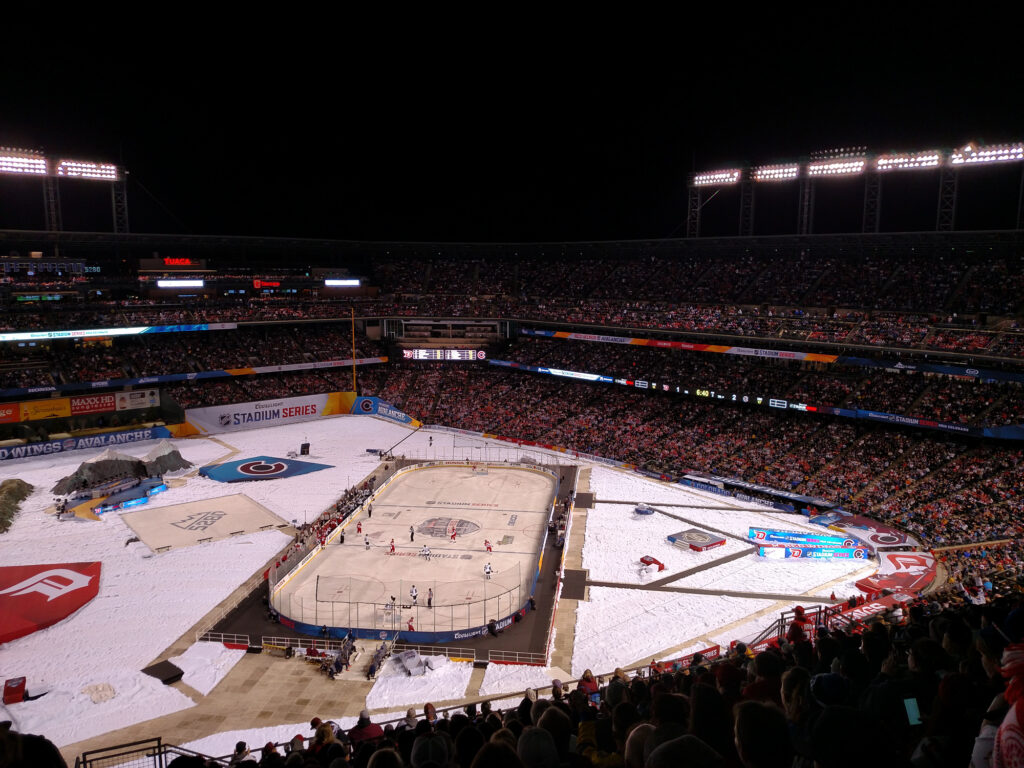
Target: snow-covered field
point(98, 653)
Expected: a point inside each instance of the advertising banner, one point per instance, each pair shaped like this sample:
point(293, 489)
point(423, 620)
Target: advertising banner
point(771, 536)
point(141, 398)
point(77, 443)
point(55, 408)
point(10, 413)
point(82, 404)
point(839, 553)
point(374, 406)
point(265, 413)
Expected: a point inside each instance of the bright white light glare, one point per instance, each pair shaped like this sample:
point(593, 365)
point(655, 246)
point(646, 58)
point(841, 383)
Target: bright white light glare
point(22, 161)
point(716, 177)
point(342, 283)
point(836, 167)
point(909, 161)
point(179, 283)
point(997, 153)
point(776, 172)
point(86, 170)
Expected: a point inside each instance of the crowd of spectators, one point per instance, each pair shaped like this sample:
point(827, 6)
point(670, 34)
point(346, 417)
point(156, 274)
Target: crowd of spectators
point(751, 300)
point(931, 683)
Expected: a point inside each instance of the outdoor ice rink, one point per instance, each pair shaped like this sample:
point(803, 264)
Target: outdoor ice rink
point(350, 585)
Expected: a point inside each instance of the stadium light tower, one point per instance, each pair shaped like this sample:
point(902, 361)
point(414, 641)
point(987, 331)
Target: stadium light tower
point(695, 199)
point(845, 162)
point(29, 162)
point(972, 154)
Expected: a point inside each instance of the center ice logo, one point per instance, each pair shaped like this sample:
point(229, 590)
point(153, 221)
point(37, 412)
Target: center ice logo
point(442, 527)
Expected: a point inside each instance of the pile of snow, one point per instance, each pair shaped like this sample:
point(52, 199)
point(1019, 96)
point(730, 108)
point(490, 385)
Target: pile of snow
point(206, 664)
point(513, 678)
point(442, 680)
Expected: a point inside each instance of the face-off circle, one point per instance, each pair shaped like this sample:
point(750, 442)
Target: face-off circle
point(262, 468)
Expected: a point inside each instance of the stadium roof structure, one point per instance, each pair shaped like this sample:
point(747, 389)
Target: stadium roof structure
point(846, 162)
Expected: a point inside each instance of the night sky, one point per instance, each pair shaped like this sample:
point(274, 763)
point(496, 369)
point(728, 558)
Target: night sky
point(367, 134)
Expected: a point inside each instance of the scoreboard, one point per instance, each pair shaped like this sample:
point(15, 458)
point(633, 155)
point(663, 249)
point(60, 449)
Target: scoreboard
point(436, 353)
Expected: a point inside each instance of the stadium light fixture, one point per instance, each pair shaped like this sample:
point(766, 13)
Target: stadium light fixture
point(997, 153)
point(353, 283)
point(839, 153)
point(179, 283)
point(87, 170)
point(909, 161)
point(776, 172)
point(22, 161)
point(837, 167)
point(716, 178)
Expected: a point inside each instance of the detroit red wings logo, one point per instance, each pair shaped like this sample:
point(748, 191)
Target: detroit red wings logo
point(33, 597)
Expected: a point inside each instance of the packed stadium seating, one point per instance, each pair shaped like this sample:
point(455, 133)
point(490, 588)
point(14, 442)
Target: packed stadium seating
point(945, 490)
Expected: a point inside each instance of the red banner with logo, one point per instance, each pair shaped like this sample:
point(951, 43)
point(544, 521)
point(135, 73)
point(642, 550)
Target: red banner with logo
point(93, 404)
point(10, 412)
point(33, 597)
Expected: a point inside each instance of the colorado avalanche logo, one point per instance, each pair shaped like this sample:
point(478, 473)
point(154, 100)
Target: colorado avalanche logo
point(262, 468)
point(859, 554)
point(849, 543)
point(887, 538)
point(366, 406)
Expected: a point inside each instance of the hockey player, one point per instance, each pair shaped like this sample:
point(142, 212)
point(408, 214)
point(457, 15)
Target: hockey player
point(430, 597)
point(366, 541)
point(413, 593)
point(487, 545)
point(359, 526)
point(412, 533)
point(487, 571)
point(425, 553)
point(453, 534)
point(392, 547)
